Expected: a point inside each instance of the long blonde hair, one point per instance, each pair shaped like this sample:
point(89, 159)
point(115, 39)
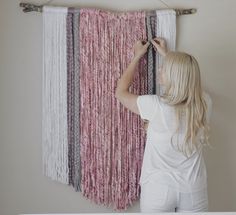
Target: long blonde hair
point(183, 90)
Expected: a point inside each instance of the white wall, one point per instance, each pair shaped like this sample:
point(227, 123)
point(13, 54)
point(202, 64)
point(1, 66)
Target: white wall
point(209, 35)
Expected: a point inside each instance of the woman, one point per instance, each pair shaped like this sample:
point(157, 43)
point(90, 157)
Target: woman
point(173, 176)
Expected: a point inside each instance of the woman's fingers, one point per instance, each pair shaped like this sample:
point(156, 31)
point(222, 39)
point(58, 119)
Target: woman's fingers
point(157, 41)
point(147, 44)
point(160, 41)
point(154, 42)
point(140, 47)
point(156, 46)
point(160, 45)
point(143, 42)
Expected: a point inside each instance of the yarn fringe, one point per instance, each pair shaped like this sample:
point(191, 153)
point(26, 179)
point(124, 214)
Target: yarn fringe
point(89, 139)
point(54, 95)
point(112, 143)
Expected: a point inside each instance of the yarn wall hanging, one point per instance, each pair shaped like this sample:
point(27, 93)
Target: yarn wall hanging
point(89, 140)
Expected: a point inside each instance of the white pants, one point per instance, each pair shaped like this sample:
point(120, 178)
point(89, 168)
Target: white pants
point(157, 197)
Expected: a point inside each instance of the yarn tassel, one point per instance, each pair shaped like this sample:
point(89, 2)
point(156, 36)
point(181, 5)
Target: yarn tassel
point(73, 95)
point(111, 155)
point(54, 95)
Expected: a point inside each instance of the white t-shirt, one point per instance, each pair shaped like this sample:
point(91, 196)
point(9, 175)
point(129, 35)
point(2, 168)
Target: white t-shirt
point(161, 160)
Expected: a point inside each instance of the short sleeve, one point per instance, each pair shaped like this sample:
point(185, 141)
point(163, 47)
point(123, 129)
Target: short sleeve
point(148, 105)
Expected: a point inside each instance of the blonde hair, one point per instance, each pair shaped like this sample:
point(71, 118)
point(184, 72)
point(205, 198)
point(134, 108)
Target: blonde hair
point(183, 91)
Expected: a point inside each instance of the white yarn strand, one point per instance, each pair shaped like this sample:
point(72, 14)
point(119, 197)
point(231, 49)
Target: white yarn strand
point(165, 28)
point(54, 95)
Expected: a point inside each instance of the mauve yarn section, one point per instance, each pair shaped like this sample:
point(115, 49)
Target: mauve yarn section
point(73, 95)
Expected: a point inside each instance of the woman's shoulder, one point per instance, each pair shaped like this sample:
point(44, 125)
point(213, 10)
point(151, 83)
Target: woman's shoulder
point(206, 96)
point(150, 97)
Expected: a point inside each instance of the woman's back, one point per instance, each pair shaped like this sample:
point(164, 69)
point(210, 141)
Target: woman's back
point(161, 159)
point(173, 172)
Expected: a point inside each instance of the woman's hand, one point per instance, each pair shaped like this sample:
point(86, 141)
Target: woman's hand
point(140, 48)
point(160, 45)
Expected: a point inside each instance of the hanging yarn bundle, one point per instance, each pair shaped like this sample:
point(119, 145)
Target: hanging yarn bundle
point(54, 95)
point(89, 139)
point(111, 137)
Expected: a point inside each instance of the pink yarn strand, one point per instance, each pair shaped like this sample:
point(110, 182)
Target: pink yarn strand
point(111, 139)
